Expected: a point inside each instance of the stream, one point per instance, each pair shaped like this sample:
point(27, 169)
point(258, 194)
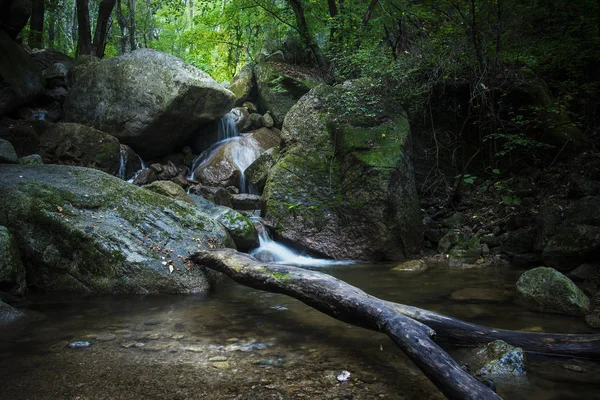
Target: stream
point(239, 343)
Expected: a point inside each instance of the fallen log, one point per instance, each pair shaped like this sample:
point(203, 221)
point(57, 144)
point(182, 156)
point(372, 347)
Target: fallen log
point(352, 305)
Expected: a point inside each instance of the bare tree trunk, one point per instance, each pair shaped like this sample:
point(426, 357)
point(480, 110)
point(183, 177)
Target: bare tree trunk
point(104, 12)
point(305, 35)
point(333, 12)
point(122, 27)
point(132, 42)
point(350, 304)
point(84, 36)
point(191, 11)
point(36, 25)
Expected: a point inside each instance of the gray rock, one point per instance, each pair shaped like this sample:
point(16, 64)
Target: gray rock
point(450, 240)
point(82, 230)
point(141, 95)
point(267, 120)
point(14, 17)
point(411, 266)
point(465, 253)
point(258, 171)
point(7, 153)
point(496, 360)
point(344, 183)
point(169, 189)
point(8, 313)
point(546, 289)
point(256, 120)
point(241, 118)
point(56, 71)
point(453, 221)
point(520, 241)
point(245, 201)
point(217, 195)
point(572, 246)
point(33, 159)
point(250, 106)
point(12, 272)
point(238, 225)
point(21, 134)
point(145, 177)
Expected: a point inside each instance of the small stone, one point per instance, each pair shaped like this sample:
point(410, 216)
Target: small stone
point(343, 376)
point(220, 364)
point(107, 337)
point(177, 336)
point(80, 344)
point(574, 367)
point(411, 266)
point(218, 358)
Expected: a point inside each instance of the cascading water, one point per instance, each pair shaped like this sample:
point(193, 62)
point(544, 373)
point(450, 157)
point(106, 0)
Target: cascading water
point(123, 163)
point(227, 127)
point(244, 154)
point(275, 252)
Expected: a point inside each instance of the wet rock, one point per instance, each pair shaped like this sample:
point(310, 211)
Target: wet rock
point(220, 364)
point(80, 344)
point(572, 246)
point(468, 253)
point(242, 84)
point(56, 75)
point(12, 271)
point(450, 240)
point(145, 177)
point(343, 376)
point(528, 260)
point(112, 235)
point(434, 235)
point(497, 359)
point(546, 289)
point(34, 159)
point(169, 189)
point(47, 58)
point(256, 120)
point(344, 184)
point(580, 186)
point(170, 96)
point(217, 195)
point(250, 106)
point(106, 337)
point(217, 358)
point(20, 76)
point(411, 266)
point(241, 117)
point(239, 226)
point(7, 153)
point(585, 272)
point(258, 171)
point(8, 313)
point(246, 201)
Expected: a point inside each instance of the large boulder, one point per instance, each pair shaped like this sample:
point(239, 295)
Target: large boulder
point(280, 87)
point(21, 78)
point(7, 153)
point(343, 185)
point(237, 224)
point(546, 289)
point(12, 272)
point(224, 165)
point(21, 134)
point(82, 230)
point(243, 84)
point(143, 95)
point(169, 189)
point(75, 144)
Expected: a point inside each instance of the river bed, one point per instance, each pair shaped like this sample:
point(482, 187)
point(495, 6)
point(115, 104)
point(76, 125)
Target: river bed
point(239, 343)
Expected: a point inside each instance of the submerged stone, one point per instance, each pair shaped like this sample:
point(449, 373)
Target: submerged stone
point(497, 359)
point(411, 266)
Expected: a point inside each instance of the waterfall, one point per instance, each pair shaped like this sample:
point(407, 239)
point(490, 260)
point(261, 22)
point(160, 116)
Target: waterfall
point(227, 127)
point(272, 251)
point(123, 163)
point(243, 154)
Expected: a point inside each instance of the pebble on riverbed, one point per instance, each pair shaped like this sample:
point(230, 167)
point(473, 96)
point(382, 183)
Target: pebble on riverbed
point(80, 344)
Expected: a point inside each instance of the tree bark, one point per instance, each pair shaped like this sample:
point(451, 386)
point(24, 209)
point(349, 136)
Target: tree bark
point(104, 11)
point(350, 304)
point(84, 37)
point(333, 12)
point(36, 25)
point(305, 35)
point(122, 27)
point(132, 42)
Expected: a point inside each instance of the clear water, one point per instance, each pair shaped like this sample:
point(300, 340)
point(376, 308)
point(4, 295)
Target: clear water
point(239, 343)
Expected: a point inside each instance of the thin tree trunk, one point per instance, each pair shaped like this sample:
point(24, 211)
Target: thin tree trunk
point(74, 26)
point(333, 12)
point(369, 13)
point(51, 30)
point(191, 11)
point(84, 36)
point(305, 35)
point(351, 305)
point(104, 11)
point(132, 42)
point(36, 25)
point(122, 27)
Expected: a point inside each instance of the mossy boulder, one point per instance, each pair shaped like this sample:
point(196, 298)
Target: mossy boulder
point(258, 171)
point(169, 189)
point(21, 77)
point(343, 185)
point(546, 289)
point(411, 266)
point(450, 240)
point(33, 159)
point(140, 96)
point(75, 144)
point(82, 230)
point(465, 254)
point(237, 224)
point(280, 86)
point(496, 360)
point(243, 84)
point(21, 134)
point(12, 272)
